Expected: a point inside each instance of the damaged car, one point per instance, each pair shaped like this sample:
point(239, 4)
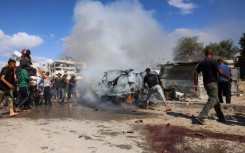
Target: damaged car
point(121, 85)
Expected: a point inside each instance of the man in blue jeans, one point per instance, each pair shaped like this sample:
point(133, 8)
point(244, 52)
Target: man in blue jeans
point(224, 85)
point(209, 68)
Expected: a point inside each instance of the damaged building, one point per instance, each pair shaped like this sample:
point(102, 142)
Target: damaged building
point(179, 77)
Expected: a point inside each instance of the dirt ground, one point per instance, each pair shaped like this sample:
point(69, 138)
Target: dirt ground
point(74, 128)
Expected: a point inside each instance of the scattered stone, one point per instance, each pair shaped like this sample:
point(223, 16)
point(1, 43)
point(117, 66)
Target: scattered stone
point(202, 135)
point(72, 131)
point(85, 137)
point(168, 124)
point(139, 121)
point(44, 147)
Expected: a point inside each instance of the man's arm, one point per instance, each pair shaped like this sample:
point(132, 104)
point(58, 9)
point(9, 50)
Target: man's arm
point(41, 74)
point(144, 82)
point(26, 76)
point(222, 73)
point(6, 82)
point(196, 73)
point(196, 80)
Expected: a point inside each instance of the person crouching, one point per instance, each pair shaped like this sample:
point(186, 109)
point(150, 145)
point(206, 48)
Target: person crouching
point(154, 82)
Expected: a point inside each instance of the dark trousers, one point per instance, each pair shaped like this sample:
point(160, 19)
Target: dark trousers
point(224, 90)
point(33, 95)
point(47, 95)
point(24, 97)
point(213, 102)
point(71, 92)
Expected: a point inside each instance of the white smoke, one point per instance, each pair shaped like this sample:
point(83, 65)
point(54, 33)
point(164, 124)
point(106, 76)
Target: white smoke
point(118, 35)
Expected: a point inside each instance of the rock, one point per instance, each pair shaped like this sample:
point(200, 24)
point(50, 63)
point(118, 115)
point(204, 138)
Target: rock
point(139, 121)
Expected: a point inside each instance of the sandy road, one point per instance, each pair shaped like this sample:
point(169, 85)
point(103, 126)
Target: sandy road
point(73, 128)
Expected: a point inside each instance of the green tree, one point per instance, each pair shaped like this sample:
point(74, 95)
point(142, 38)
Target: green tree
point(215, 46)
point(188, 49)
point(224, 49)
point(242, 44)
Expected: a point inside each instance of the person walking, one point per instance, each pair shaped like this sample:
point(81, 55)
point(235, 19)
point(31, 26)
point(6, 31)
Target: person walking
point(23, 85)
point(224, 85)
point(41, 91)
point(154, 83)
point(62, 87)
point(47, 87)
point(33, 87)
point(7, 85)
point(72, 88)
point(56, 86)
point(209, 68)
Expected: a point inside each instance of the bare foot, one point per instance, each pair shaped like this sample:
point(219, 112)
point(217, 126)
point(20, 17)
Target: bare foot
point(13, 114)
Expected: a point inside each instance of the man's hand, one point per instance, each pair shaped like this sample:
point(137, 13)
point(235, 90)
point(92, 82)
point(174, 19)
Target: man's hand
point(195, 87)
point(230, 79)
point(11, 86)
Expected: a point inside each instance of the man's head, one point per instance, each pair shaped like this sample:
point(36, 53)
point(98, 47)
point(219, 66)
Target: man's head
point(65, 76)
point(11, 63)
point(26, 52)
point(209, 52)
point(47, 73)
point(73, 77)
point(148, 71)
point(220, 61)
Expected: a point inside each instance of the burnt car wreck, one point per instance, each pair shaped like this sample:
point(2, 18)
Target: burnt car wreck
point(121, 86)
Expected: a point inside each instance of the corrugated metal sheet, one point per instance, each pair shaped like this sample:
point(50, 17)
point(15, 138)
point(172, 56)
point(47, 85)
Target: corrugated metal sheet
point(181, 76)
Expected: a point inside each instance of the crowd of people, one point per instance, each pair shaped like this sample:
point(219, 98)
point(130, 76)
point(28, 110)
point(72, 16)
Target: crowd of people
point(21, 88)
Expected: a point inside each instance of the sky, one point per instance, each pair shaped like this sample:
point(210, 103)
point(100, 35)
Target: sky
point(55, 28)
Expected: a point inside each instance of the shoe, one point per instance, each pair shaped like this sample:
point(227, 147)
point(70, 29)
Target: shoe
point(223, 120)
point(199, 121)
point(147, 104)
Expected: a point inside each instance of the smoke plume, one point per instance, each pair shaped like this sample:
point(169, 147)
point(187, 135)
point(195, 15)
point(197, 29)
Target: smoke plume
point(118, 35)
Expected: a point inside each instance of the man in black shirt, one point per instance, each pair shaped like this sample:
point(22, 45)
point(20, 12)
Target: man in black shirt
point(72, 88)
point(209, 69)
point(62, 87)
point(154, 82)
point(7, 85)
